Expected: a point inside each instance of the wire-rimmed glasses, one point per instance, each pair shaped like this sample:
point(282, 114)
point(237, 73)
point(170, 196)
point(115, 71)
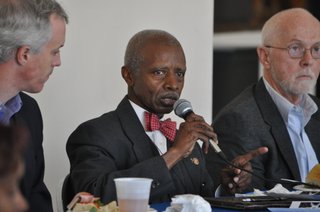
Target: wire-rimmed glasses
point(298, 50)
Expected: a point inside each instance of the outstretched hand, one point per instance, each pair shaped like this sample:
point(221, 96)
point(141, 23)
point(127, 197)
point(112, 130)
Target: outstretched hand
point(235, 180)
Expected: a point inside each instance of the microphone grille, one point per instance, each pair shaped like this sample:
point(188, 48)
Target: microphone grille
point(182, 107)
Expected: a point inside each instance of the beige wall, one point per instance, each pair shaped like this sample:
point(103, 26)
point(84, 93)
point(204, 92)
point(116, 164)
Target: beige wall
point(89, 82)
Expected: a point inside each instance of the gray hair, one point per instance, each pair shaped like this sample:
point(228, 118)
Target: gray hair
point(133, 57)
point(26, 22)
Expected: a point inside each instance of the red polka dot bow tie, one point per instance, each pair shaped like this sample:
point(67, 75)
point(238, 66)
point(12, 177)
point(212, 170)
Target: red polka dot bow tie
point(167, 127)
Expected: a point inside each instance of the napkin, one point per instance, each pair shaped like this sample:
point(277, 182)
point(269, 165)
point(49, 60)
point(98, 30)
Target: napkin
point(188, 203)
point(278, 188)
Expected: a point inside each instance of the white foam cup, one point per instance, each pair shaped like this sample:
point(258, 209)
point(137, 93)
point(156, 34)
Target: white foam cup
point(133, 193)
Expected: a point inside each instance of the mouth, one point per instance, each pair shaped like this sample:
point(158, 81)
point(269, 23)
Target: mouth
point(169, 100)
point(306, 74)
point(305, 77)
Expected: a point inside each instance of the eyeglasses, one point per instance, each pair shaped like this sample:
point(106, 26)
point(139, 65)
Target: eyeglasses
point(298, 50)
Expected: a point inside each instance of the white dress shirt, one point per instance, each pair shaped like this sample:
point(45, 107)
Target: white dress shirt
point(156, 136)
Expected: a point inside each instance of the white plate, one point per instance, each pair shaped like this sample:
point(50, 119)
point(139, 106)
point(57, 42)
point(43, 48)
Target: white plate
point(307, 189)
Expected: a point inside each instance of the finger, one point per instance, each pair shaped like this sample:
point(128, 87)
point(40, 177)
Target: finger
point(243, 177)
point(202, 128)
point(207, 138)
point(206, 133)
point(230, 185)
point(243, 182)
point(257, 152)
point(205, 143)
point(236, 171)
point(236, 179)
point(245, 166)
point(230, 172)
point(232, 188)
point(205, 147)
point(243, 159)
point(205, 125)
point(194, 117)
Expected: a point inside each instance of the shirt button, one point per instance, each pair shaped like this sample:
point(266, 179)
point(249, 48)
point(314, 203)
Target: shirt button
point(155, 184)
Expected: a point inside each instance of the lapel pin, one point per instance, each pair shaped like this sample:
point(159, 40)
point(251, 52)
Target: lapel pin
point(195, 161)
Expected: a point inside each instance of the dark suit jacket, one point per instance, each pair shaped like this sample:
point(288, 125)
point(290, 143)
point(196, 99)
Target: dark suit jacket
point(116, 145)
point(252, 120)
point(32, 185)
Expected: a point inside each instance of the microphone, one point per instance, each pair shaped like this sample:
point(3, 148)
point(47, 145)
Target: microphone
point(183, 109)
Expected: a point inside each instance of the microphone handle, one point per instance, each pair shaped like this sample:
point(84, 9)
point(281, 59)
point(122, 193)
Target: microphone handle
point(216, 148)
point(282, 180)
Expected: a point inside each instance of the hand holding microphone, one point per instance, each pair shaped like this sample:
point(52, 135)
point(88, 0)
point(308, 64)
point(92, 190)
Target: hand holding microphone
point(189, 132)
point(200, 129)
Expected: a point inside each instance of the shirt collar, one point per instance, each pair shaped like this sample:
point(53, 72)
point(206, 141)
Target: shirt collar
point(139, 111)
point(307, 105)
point(8, 109)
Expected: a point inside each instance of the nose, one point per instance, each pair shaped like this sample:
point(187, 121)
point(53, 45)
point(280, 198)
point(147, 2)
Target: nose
point(56, 61)
point(307, 58)
point(171, 81)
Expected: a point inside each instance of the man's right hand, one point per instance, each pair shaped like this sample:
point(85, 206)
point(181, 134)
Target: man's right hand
point(193, 129)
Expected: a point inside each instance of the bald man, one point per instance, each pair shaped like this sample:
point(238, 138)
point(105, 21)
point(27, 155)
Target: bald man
point(277, 112)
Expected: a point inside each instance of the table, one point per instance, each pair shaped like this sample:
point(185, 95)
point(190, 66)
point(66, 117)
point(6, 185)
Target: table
point(160, 207)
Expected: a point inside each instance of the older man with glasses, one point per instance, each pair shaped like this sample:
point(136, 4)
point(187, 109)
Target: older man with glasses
point(277, 112)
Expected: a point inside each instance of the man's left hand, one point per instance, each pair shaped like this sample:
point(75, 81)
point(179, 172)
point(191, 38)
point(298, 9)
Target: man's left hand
point(235, 180)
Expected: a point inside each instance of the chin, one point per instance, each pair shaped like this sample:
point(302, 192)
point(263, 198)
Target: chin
point(301, 90)
point(307, 86)
point(35, 89)
point(166, 111)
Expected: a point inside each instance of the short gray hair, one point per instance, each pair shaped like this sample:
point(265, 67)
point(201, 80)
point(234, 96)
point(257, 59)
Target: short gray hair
point(133, 57)
point(26, 22)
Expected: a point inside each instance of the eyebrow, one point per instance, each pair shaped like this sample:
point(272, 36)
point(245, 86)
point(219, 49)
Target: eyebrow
point(301, 42)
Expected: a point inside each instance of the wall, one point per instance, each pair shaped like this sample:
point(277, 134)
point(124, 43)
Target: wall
point(89, 82)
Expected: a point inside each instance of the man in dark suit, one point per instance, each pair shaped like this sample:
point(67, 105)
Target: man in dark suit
point(31, 35)
point(277, 112)
point(119, 143)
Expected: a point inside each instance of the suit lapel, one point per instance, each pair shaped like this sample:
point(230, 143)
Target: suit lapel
point(132, 127)
point(278, 129)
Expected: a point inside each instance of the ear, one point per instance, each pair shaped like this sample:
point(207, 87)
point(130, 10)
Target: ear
point(23, 55)
point(127, 75)
point(264, 57)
